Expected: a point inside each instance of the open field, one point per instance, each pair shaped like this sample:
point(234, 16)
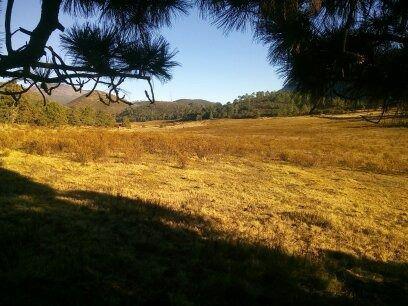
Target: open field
point(303, 211)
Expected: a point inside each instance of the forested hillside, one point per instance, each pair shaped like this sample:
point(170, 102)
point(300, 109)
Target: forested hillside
point(90, 110)
point(31, 109)
point(93, 101)
point(63, 94)
point(259, 104)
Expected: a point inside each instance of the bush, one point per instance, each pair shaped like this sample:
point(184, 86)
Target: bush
point(92, 148)
point(87, 116)
point(126, 122)
point(104, 119)
point(182, 159)
point(55, 114)
point(8, 111)
point(36, 113)
point(74, 117)
point(31, 112)
point(38, 147)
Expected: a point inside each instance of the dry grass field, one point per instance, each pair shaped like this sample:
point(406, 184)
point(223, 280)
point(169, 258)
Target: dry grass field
point(287, 211)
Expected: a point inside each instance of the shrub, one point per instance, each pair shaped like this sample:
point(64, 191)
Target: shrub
point(31, 112)
point(87, 116)
point(104, 119)
point(55, 114)
point(74, 117)
point(8, 113)
point(126, 122)
point(93, 148)
point(35, 146)
point(182, 160)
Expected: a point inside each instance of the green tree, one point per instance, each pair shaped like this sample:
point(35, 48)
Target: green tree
point(104, 119)
point(31, 112)
point(8, 108)
point(55, 114)
point(8, 111)
point(74, 116)
point(126, 122)
point(87, 116)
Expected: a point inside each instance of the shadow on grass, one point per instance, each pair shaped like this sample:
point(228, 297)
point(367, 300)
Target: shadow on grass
point(85, 248)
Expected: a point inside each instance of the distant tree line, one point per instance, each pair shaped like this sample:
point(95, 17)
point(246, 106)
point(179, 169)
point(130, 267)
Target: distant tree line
point(259, 104)
point(30, 109)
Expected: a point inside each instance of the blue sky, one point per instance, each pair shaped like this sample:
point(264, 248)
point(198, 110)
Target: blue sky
point(214, 66)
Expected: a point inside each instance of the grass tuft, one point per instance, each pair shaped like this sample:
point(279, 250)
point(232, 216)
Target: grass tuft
point(309, 218)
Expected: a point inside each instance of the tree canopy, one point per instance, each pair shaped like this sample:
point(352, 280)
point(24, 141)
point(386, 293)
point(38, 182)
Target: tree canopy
point(122, 42)
point(349, 48)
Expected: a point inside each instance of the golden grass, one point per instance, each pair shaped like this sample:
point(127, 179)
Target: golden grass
point(307, 186)
point(305, 141)
point(302, 210)
point(342, 184)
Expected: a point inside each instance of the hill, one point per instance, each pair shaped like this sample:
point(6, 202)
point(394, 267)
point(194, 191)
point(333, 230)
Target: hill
point(183, 109)
point(94, 102)
point(194, 101)
point(63, 94)
point(260, 104)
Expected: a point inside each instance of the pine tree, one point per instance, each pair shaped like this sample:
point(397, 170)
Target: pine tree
point(354, 49)
point(118, 41)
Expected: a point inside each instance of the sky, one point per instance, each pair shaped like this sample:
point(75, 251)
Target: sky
point(215, 66)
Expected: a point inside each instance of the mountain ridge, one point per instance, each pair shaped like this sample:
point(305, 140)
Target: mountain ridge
point(63, 94)
point(94, 102)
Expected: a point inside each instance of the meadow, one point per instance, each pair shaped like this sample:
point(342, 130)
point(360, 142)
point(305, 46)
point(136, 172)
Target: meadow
point(286, 211)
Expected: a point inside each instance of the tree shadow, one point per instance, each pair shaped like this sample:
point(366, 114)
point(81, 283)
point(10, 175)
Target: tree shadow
point(88, 248)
